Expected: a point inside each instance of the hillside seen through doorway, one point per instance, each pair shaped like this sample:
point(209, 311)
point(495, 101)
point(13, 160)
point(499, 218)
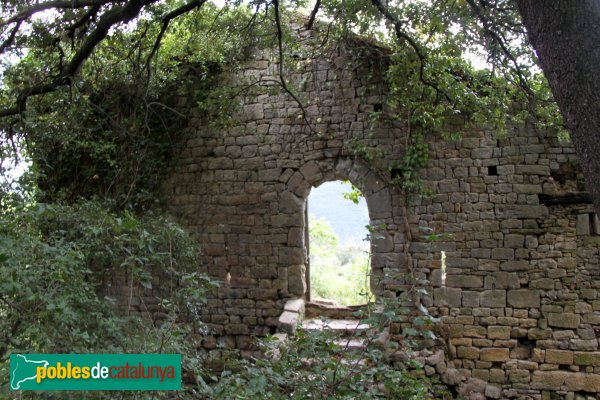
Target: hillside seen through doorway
point(339, 244)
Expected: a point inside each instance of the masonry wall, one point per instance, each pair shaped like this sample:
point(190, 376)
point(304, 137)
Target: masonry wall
point(518, 298)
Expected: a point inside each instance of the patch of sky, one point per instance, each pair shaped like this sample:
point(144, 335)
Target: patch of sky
point(347, 219)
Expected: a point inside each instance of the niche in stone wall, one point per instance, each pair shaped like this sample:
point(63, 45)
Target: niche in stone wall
point(338, 244)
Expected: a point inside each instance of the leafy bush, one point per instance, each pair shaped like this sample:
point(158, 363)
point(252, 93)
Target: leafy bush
point(313, 365)
point(55, 261)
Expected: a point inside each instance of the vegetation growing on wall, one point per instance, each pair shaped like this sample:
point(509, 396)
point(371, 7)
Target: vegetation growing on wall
point(92, 102)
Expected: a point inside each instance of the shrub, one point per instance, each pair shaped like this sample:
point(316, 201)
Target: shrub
point(54, 262)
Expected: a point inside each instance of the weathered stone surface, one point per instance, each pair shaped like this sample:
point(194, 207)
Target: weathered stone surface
point(447, 296)
point(523, 298)
point(559, 357)
point(288, 322)
point(564, 320)
point(552, 380)
point(295, 305)
point(587, 358)
point(499, 332)
point(464, 281)
point(583, 224)
point(583, 382)
point(289, 203)
point(494, 354)
point(471, 353)
point(296, 280)
point(493, 298)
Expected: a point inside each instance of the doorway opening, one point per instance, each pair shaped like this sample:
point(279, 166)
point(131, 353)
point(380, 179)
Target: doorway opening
point(338, 245)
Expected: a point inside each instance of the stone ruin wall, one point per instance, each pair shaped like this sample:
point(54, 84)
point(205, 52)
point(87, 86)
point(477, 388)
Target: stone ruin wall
point(519, 304)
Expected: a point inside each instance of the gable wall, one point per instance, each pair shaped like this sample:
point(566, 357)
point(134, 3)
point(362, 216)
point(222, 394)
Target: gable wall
point(519, 305)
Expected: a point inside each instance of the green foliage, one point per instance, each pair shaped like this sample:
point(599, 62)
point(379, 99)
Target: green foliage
point(314, 365)
point(354, 195)
point(56, 262)
point(112, 132)
point(337, 273)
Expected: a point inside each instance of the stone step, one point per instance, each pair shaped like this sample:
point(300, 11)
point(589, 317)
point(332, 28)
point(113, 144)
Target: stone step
point(342, 326)
point(352, 344)
point(332, 310)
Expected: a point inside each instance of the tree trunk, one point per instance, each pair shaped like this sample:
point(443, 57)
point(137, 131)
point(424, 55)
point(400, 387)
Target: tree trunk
point(566, 37)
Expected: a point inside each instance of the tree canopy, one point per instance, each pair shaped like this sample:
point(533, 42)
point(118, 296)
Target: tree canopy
point(66, 63)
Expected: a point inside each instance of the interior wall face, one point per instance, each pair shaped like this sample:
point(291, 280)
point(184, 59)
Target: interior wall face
point(519, 307)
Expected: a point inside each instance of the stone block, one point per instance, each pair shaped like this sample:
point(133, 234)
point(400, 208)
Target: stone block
point(519, 376)
point(583, 224)
point(584, 344)
point(523, 298)
point(514, 241)
point(471, 353)
point(493, 392)
point(289, 203)
point(311, 172)
point(564, 357)
point(539, 334)
point(296, 280)
point(502, 280)
point(494, 354)
point(474, 331)
point(583, 382)
point(447, 296)
point(516, 266)
point(470, 299)
point(564, 320)
point(288, 322)
point(493, 298)
point(550, 380)
point(543, 283)
point(464, 281)
point(294, 305)
point(587, 358)
point(521, 211)
point(498, 332)
point(501, 253)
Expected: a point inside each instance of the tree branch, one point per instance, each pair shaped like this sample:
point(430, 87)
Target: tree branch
point(497, 38)
point(400, 34)
point(166, 19)
point(281, 61)
point(10, 39)
point(90, 14)
point(313, 15)
point(110, 18)
point(36, 8)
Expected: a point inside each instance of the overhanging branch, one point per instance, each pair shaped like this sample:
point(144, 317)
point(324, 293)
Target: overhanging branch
point(281, 61)
point(402, 35)
point(112, 17)
point(166, 19)
point(50, 5)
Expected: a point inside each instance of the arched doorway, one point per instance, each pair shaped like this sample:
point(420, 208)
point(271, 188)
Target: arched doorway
point(338, 245)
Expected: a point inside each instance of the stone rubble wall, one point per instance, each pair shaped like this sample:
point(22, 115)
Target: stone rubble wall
point(519, 304)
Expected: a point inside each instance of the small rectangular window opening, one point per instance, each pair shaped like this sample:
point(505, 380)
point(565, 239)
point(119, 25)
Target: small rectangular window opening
point(443, 262)
point(396, 173)
point(492, 170)
point(378, 107)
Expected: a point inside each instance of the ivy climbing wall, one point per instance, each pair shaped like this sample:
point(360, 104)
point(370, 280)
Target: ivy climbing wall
point(517, 293)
